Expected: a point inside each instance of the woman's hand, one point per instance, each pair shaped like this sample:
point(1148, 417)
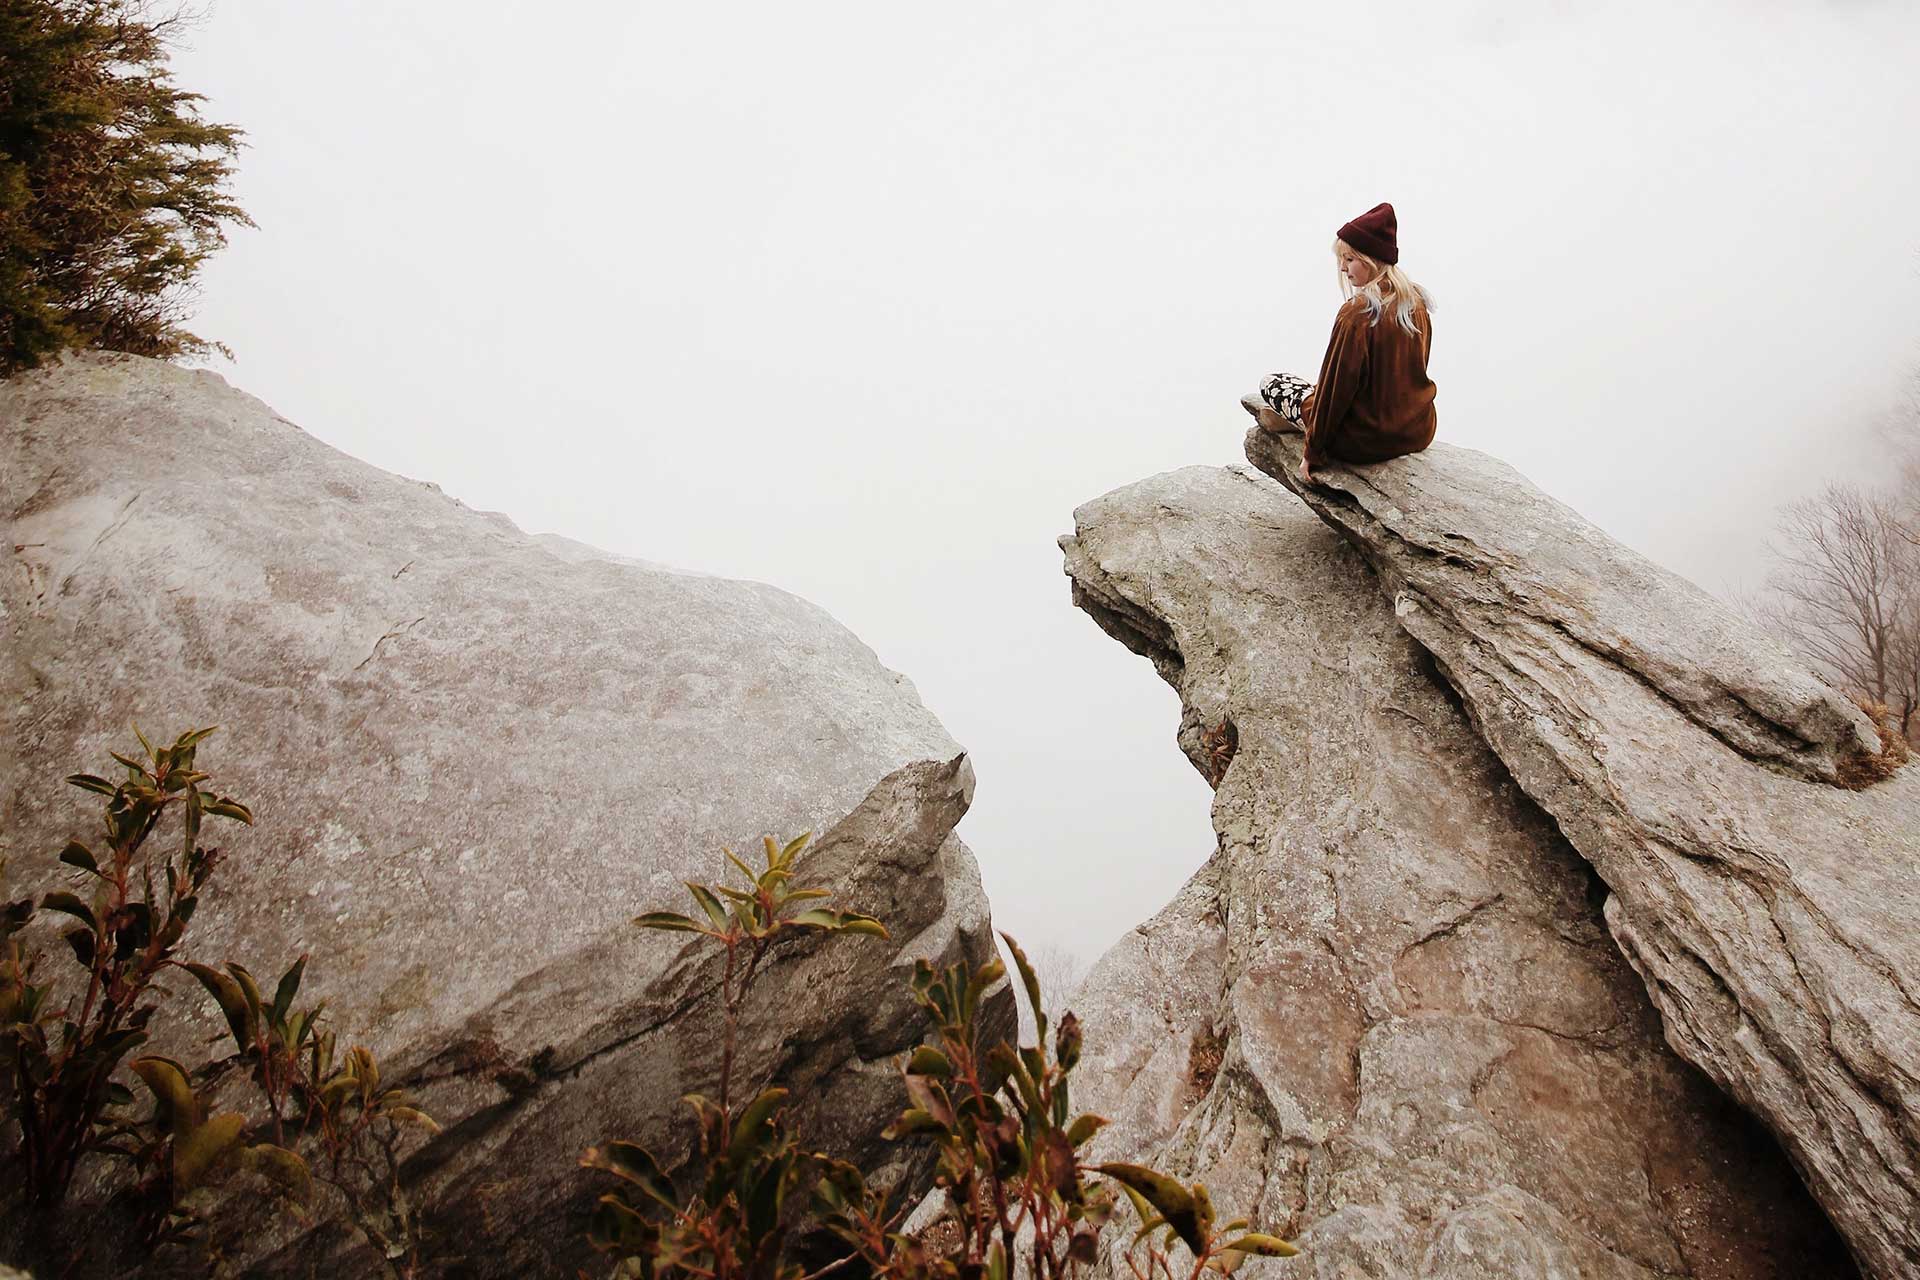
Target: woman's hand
point(1306, 472)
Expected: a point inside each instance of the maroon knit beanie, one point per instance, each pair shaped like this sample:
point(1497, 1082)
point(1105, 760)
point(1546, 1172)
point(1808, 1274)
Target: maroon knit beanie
point(1375, 233)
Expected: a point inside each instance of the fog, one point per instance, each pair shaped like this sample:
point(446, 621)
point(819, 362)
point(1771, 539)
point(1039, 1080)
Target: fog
point(862, 301)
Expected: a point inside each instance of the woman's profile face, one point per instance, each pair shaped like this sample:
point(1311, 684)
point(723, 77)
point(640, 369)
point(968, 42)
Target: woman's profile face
point(1356, 268)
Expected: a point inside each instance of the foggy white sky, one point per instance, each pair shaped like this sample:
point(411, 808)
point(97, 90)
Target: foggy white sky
point(863, 301)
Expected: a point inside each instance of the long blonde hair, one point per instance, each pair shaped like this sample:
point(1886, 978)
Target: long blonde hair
point(1389, 285)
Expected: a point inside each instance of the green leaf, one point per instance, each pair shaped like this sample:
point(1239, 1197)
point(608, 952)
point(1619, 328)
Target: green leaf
point(227, 807)
point(997, 1261)
point(816, 918)
point(617, 1226)
point(106, 1055)
point(767, 1196)
point(983, 978)
point(1002, 1059)
point(753, 877)
point(78, 855)
point(635, 1164)
point(1174, 1201)
point(866, 926)
point(413, 1116)
point(289, 988)
point(1263, 1245)
point(754, 1120)
point(200, 1151)
point(336, 1090)
point(173, 1096)
point(911, 1121)
point(82, 942)
point(88, 782)
point(839, 922)
point(281, 1167)
point(1031, 983)
point(232, 1001)
point(1066, 1043)
point(68, 904)
point(925, 1093)
point(256, 1005)
point(709, 904)
point(929, 1061)
point(794, 846)
point(1083, 1128)
point(711, 1119)
point(670, 921)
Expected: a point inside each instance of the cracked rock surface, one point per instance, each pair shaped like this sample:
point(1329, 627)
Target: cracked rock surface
point(1386, 1017)
point(472, 756)
point(1775, 919)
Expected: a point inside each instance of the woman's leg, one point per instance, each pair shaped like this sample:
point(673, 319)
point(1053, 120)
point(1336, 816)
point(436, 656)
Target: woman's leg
point(1283, 393)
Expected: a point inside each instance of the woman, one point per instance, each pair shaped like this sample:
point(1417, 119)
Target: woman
point(1374, 400)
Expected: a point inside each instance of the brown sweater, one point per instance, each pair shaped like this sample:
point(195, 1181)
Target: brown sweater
point(1374, 400)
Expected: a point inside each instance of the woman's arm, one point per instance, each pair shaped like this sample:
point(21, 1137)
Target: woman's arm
point(1341, 373)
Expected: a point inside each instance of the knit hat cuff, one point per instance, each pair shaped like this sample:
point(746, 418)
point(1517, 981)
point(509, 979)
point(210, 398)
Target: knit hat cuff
point(1370, 243)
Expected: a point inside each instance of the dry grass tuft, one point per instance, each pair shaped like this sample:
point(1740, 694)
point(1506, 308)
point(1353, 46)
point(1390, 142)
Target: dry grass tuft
point(1203, 1061)
point(1861, 771)
point(1218, 744)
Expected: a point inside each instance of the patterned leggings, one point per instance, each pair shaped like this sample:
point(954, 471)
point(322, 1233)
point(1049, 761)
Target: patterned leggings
point(1283, 393)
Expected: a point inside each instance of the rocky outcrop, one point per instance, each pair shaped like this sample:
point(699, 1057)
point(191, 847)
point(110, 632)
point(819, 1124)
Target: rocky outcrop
point(1774, 918)
point(472, 756)
point(1386, 1017)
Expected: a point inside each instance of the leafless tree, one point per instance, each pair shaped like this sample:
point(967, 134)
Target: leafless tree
point(1845, 590)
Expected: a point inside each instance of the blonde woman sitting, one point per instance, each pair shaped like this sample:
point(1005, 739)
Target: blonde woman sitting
point(1374, 400)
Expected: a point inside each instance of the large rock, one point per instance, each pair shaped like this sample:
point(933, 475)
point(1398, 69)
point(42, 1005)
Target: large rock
point(1386, 1017)
point(1774, 918)
point(472, 756)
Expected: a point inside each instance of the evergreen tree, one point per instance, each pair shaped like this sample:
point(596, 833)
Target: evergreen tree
point(112, 187)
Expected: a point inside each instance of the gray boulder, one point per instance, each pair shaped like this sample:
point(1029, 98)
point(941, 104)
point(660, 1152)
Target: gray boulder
point(472, 756)
point(1774, 918)
point(1386, 1018)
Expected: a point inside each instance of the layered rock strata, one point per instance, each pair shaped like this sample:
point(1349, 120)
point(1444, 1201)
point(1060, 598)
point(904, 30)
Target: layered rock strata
point(1774, 918)
point(1386, 1017)
point(472, 756)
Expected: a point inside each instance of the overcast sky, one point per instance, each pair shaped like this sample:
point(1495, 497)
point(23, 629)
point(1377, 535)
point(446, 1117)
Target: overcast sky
point(863, 300)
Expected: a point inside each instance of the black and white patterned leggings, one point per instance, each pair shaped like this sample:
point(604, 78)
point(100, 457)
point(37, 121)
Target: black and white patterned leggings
point(1283, 393)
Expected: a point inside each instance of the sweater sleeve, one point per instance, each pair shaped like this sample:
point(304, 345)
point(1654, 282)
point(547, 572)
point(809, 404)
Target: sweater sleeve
point(1341, 374)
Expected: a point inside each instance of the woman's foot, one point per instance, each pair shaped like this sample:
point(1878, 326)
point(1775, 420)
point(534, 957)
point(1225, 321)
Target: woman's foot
point(1266, 417)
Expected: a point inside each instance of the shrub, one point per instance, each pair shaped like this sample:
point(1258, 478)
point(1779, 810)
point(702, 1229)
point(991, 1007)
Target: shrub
point(313, 1114)
point(60, 1088)
point(1000, 1119)
point(1859, 771)
point(112, 188)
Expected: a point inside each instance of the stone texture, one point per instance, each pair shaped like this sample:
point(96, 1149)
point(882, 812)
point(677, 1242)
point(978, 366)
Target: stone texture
point(472, 755)
point(1774, 919)
point(1386, 1017)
